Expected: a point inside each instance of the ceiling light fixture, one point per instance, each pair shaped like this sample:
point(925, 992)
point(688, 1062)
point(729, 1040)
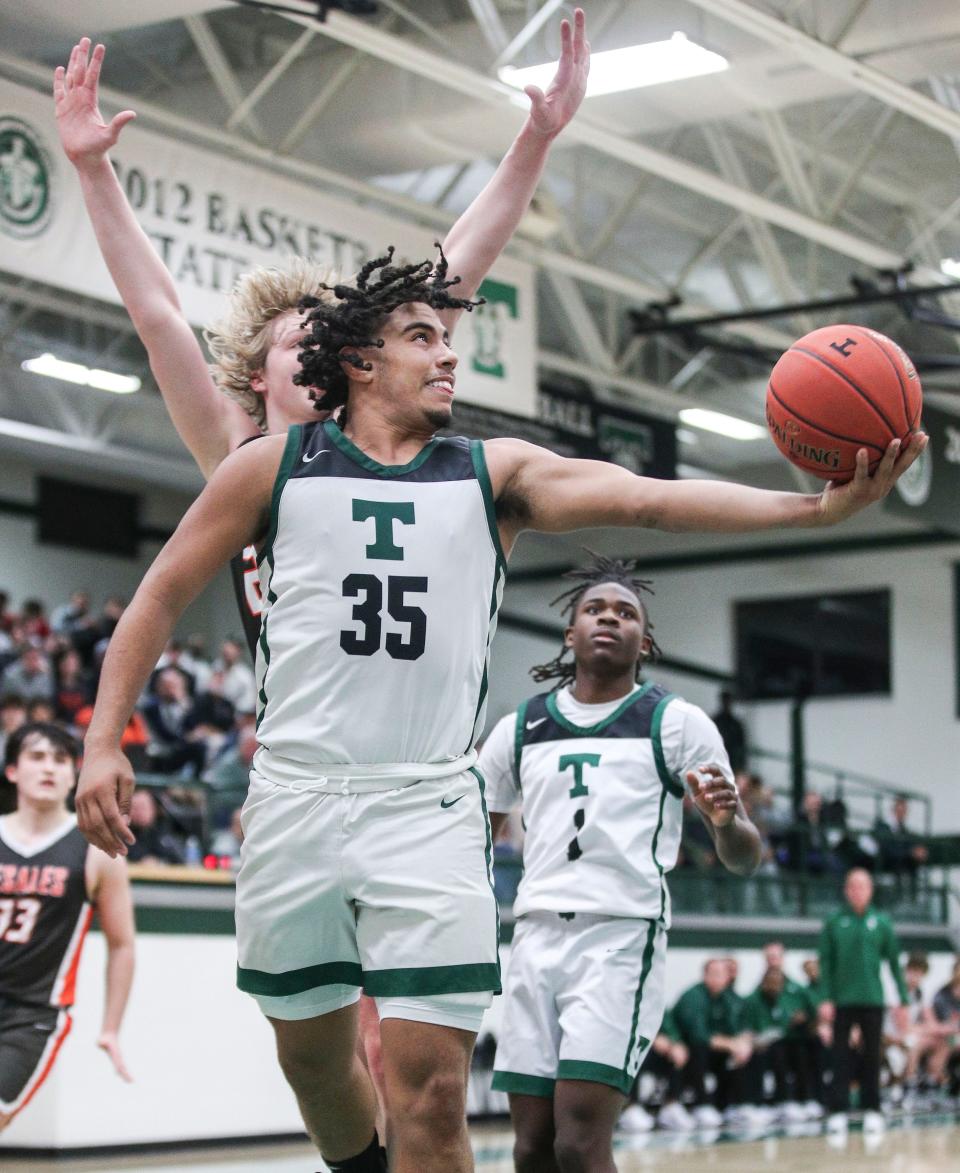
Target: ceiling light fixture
point(75, 372)
point(629, 69)
point(723, 425)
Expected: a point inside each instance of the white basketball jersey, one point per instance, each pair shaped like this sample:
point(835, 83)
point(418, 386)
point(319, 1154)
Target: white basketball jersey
point(381, 587)
point(602, 804)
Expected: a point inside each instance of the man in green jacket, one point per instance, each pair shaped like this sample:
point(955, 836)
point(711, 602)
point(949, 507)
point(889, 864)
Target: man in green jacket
point(854, 942)
point(780, 1016)
point(707, 1017)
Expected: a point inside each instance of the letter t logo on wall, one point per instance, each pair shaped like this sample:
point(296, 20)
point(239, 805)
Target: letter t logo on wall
point(384, 514)
point(487, 322)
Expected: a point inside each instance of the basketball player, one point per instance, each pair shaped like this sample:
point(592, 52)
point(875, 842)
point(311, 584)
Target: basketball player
point(255, 346)
point(50, 882)
point(598, 765)
point(366, 861)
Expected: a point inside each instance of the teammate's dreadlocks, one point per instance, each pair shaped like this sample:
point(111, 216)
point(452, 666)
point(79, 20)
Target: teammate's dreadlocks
point(601, 569)
point(352, 321)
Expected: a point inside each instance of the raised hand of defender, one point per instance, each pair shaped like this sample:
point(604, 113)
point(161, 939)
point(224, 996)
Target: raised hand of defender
point(103, 801)
point(85, 136)
point(551, 111)
point(713, 794)
point(838, 502)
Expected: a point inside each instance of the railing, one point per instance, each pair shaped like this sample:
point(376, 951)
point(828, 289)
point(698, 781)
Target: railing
point(715, 891)
point(858, 791)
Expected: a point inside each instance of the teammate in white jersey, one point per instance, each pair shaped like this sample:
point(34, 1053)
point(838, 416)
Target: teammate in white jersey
point(598, 767)
point(406, 862)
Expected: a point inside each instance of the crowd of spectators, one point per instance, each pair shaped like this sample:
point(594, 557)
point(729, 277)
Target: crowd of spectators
point(193, 723)
point(742, 1059)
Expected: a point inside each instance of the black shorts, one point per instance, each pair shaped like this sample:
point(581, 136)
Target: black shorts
point(30, 1037)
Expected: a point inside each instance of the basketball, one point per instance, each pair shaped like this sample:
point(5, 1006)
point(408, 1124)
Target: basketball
point(839, 389)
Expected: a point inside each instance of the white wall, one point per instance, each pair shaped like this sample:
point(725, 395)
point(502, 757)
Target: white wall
point(910, 738)
point(201, 1054)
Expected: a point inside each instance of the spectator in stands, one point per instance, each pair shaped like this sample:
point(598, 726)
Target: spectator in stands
point(94, 645)
point(211, 715)
point(855, 941)
point(781, 1018)
point(227, 842)
point(174, 657)
point(133, 740)
point(6, 615)
point(41, 711)
point(74, 686)
point(707, 1020)
point(34, 623)
point(810, 844)
point(239, 685)
point(73, 616)
point(155, 844)
point(29, 676)
point(167, 714)
point(13, 714)
point(732, 732)
point(946, 1011)
point(901, 851)
point(231, 771)
point(906, 1052)
point(194, 659)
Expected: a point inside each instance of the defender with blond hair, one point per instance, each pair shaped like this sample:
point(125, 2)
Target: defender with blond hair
point(255, 346)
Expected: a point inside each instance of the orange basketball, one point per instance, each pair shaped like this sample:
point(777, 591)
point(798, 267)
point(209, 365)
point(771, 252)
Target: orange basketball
point(837, 390)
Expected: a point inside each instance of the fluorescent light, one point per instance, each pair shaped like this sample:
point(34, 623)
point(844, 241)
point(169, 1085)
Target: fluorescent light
point(951, 267)
point(109, 381)
point(630, 68)
point(75, 372)
point(685, 436)
point(724, 425)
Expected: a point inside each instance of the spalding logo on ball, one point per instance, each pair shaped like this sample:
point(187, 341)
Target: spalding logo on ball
point(837, 390)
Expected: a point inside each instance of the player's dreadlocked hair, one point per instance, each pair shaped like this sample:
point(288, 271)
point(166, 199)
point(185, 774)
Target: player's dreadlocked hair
point(351, 322)
point(562, 668)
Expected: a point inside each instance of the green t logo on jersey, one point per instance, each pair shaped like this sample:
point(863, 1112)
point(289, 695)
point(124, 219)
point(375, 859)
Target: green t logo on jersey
point(578, 761)
point(384, 514)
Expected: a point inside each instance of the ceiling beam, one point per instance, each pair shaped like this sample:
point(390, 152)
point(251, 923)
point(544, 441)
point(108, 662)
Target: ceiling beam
point(271, 77)
point(527, 33)
point(219, 68)
point(830, 61)
point(488, 18)
point(445, 72)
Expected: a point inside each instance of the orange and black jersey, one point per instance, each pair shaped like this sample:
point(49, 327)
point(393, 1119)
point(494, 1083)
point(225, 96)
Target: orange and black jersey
point(44, 916)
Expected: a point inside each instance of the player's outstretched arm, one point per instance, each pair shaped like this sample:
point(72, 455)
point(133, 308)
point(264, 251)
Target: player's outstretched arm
point(536, 489)
point(109, 888)
point(230, 513)
point(482, 232)
point(209, 424)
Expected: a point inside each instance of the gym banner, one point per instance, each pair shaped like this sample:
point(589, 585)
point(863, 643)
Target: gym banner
point(212, 218)
point(930, 489)
point(573, 424)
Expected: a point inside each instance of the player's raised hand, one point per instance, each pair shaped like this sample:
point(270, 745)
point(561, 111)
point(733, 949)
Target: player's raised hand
point(103, 801)
point(84, 135)
point(713, 794)
point(109, 1043)
point(551, 111)
point(838, 502)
